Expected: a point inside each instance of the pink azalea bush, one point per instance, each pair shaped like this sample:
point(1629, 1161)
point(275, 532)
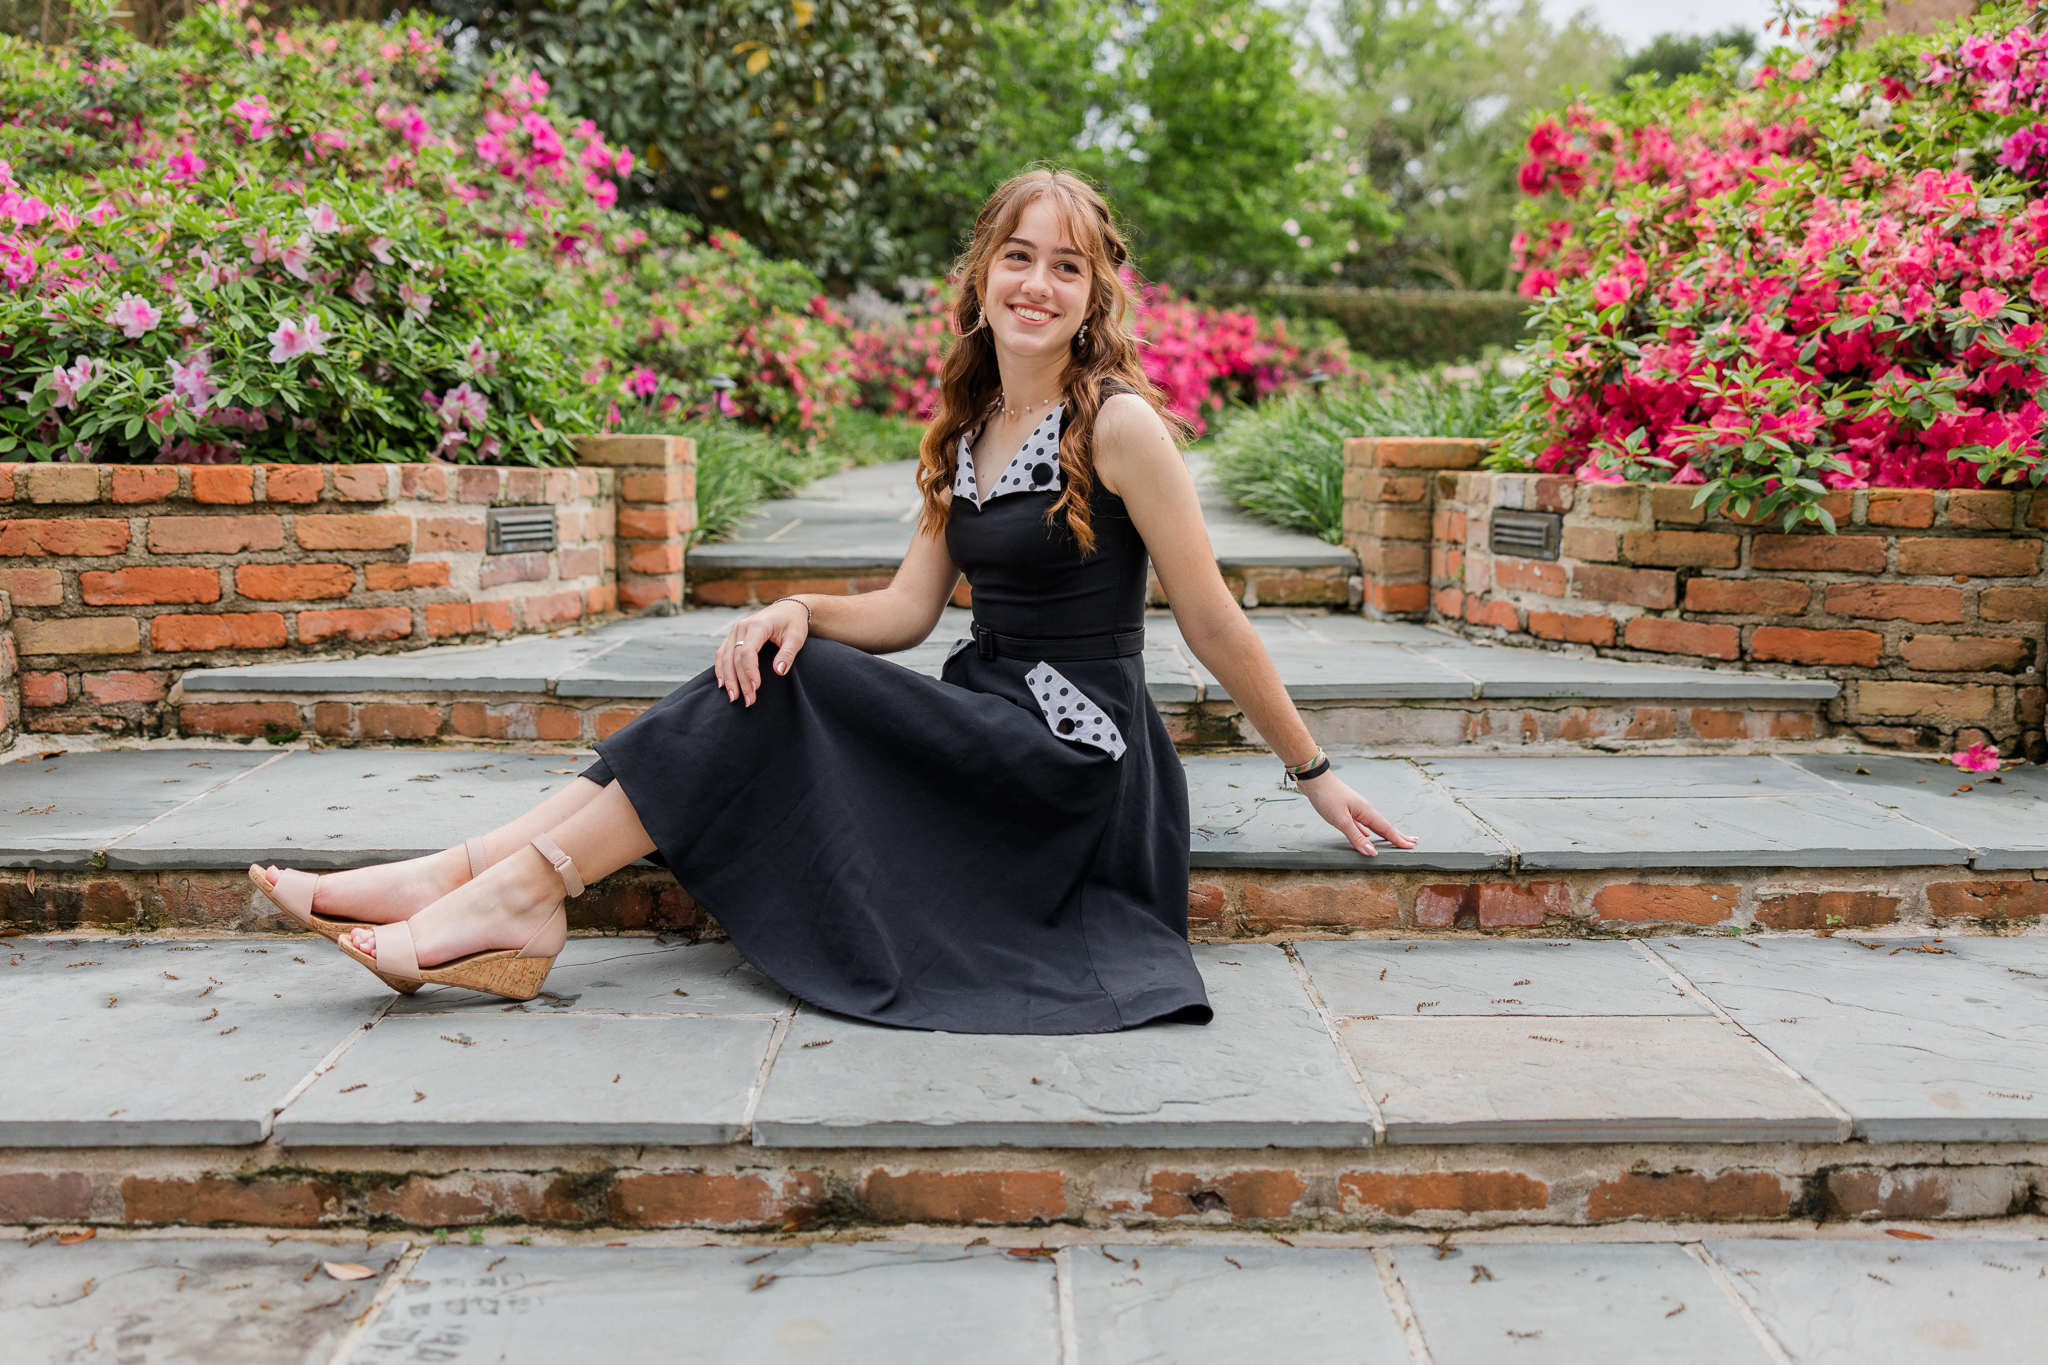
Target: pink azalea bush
point(1827, 273)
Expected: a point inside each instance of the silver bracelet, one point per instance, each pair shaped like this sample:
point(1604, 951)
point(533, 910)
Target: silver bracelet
point(800, 602)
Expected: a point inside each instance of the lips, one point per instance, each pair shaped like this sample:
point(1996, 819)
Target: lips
point(1023, 313)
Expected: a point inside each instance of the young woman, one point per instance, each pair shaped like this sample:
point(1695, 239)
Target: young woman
point(1003, 850)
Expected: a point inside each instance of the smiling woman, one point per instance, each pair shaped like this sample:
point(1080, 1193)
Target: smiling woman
point(1003, 849)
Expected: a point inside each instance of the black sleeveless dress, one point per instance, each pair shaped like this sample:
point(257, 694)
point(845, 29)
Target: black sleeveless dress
point(1001, 850)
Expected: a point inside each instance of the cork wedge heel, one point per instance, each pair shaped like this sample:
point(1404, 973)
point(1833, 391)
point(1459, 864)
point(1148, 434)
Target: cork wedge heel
point(292, 892)
point(512, 974)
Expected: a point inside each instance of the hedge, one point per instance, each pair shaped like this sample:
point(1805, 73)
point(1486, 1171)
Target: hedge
point(1425, 326)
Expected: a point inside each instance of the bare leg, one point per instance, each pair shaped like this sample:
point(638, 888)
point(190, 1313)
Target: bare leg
point(504, 907)
point(395, 891)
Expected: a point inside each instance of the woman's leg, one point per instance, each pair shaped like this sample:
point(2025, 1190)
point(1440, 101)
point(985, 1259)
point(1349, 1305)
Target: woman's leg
point(512, 900)
point(395, 891)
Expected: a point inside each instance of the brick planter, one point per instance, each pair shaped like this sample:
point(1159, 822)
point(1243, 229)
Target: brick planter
point(122, 577)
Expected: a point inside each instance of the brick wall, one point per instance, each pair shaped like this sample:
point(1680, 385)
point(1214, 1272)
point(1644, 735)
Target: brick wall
point(10, 678)
point(1389, 494)
point(1928, 607)
point(122, 577)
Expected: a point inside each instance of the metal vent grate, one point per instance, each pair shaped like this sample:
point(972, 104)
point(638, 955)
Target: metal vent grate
point(1530, 535)
point(516, 530)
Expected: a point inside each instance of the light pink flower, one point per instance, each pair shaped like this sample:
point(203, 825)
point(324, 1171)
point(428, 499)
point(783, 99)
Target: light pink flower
point(1978, 758)
point(418, 302)
point(185, 168)
point(295, 258)
point(363, 287)
point(380, 247)
point(480, 360)
point(323, 218)
point(262, 246)
point(67, 384)
point(294, 339)
point(256, 113)
point(192, 381)
point(135, 316)
point(462, 406)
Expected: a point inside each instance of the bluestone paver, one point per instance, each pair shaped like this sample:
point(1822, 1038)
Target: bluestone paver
point(1144, 1305)
point(59, 812)
point(1919, 1041)
point(1265, 1073)
point(1319, 669)
point(522, 665)
point(217, 1302)
point(1895, 1303)
point(2002, 817)
point(1509, 977)
point(1588, 777)
point(634, 975)
point(166, 1043)
point(1515, 674)
point(350, 807)
point(1573, 1305)
point(647, 666)
point(1643, 1078)
point(871, 1304)
point(528, 1079)
point(1822, 830)
point(1243, 817)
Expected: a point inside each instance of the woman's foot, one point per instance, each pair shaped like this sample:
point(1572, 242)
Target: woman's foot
point(503, 908)
point(389, 891)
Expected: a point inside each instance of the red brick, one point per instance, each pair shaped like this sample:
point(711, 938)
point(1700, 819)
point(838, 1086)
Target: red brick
point(1660, 636)
point(1683, 549)
point(655, 559)
point(353, 531)
point(1747, 596)
point(1912, 509)
point(469, 1197)
point(45, 689)
point(655, 488)
point(921, 1196)
point(552, 609)
point(214, 535)
point(1348, 905)
point(334, 719)
point(1980, 510)
point(1924, 701)
point(1399, 1194)
point(601, 599)
point(1967, 653)
point(1709, 724)
point(1584, 630)
point(1675, 502)
point(77, 536)
point(1819, 553)
point(1442, 907)
point(1995, 604)
point(1504, 905)
point(527, 568)
point(1921, 603)
point(1783, 644)
point(581, 561)
point(33, 587)
point(445, 535)
point(1619, 501)
point(1554, 493)
point(611, 722)
point(1433, 452)
point(33, 1197)
point(1988, 900)
point(292, 483)
point(1260, 1194)
point(1529, 575)
point(1641, 903)
point(107, 688)
point(58, 483)
point(2037, 511)
point(148, 587)
point(467, 618)
point(1974, 557)
point(223, 483)
point(1689, 1196)
point(1591, 542)
point(294, 582)
point(7, 471)
point(290, 1203)
point(1449, 602)
point(234, 630)
point(1207, 905)
point(237, 718)
point(355, 623)
point(1656, 589)
point(428, 573)
point(144, 483)
point(1397, 597)
point(1652, 722)
point(479, 485)
point(1907, 1194)
point(1481, 611)
point(372, 482)
point(398, 720)
point(1826, 910)
point(713, 1199)
point(636, 593)
point(78, 635)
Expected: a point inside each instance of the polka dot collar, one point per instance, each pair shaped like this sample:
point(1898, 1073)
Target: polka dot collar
point(1034, 469)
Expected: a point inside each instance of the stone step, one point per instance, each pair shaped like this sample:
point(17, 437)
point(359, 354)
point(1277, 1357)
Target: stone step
point(1363, 686)
point(1342, 1086)
point(527, 1296)
point(847, 533)
point(158, 838)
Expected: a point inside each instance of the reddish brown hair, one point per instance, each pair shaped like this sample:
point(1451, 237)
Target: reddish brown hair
point(970, 381)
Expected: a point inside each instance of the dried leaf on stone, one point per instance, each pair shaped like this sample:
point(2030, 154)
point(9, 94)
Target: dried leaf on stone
point(346, 1270)
point(72, 1238)
point(1907, 1235)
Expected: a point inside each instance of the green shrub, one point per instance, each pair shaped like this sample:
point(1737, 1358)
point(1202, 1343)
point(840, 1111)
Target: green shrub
point(862, 437)
point(1414, 326)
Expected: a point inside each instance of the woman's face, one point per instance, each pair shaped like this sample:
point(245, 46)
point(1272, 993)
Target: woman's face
point(1038, 285)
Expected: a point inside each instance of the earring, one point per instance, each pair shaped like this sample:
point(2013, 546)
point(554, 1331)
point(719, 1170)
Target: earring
point(1081, 336)
point(980, 317)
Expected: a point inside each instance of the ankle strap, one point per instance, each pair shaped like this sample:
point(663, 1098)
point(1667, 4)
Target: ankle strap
point(564, 868)
point(477, 861)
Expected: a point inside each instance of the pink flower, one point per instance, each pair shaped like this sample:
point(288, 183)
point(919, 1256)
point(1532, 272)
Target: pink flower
point(185, 168)
point(1978, 758)
point(418, 302)
point(294, 339)
point(323, 218)
point(256, 113)
point(134, 316)
point(607, 194)
point(296, 258)
point(363, 287)
point(262, 246)
point(642, 382)
point(380, 247)
point(1983, 304)
point(479, 359)
point(191, 382)
point(68, 384)
point(462, 406)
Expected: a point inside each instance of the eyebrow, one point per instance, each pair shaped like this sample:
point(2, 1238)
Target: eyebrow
point(1057, 251)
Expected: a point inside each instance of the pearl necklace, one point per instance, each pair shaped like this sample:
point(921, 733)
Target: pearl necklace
point(1002, 403)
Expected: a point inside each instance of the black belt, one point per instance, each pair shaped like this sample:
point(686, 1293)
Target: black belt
point(1057, 649)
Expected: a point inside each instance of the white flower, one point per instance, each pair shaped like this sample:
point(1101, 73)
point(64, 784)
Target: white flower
point(1290, 227)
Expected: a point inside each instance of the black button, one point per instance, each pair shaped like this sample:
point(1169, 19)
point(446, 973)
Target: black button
point(1067, 726)
point(1041, 473)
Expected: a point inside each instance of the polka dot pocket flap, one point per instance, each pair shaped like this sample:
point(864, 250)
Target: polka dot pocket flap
point(1070, 714)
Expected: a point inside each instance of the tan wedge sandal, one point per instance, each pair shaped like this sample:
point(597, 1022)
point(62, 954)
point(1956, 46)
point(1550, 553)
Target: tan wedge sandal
point(293, 890)
point(514, 975)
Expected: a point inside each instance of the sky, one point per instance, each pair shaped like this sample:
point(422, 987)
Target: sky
point(1635, 22)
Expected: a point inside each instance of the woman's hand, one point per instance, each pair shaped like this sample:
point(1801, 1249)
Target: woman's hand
point(738, 665)
point(1351, 814)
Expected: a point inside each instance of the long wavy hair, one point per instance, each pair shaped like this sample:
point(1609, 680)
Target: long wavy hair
point(970, 382)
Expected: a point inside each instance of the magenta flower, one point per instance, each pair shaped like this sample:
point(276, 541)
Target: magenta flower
point(185, 168)
point(1983, 304)
point(135, 317)
point(294, 339)
point(1978, 758)
point(642, 382)
point(68, 384)
point(256, 113)
point(480, 359)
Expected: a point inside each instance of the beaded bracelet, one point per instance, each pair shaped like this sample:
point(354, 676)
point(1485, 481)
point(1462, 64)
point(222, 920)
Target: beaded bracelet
point(800, 602)
point(1303, 772)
